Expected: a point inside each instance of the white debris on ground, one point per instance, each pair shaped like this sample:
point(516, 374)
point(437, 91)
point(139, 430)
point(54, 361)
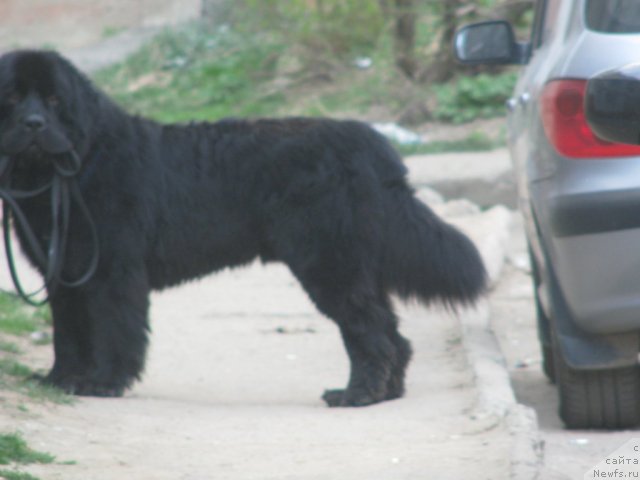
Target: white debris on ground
point(398, 134)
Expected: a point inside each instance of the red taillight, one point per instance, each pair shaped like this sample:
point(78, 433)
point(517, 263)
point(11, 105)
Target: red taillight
point(562, 110)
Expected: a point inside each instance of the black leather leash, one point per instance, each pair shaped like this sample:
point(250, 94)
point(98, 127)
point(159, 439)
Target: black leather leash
point(63, 191)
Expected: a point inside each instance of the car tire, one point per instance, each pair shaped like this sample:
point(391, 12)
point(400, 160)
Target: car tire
point(600, 399)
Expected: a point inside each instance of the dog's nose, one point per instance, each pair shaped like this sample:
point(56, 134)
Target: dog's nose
point(34, 121)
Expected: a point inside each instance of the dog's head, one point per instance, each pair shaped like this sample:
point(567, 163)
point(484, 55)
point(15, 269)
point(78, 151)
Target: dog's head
point(45, 105)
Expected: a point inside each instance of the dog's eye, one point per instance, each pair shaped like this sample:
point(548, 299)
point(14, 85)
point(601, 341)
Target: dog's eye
point(53, 101)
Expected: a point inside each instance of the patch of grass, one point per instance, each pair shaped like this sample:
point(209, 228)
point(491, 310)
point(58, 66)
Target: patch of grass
point(18, 377)
point(15, 475)
point(9, 347)
point(16, 318)
point(108, 32)
point(206, 72)
point(338, 28)
point(197, 73)
point(45, 393)
point(13, 368)
point(353, 91)
point(14, 449)
point(468, 98)
point(19, 319)
point(475, 142)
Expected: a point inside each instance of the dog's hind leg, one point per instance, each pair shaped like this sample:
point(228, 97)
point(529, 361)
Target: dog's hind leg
point(332, 242)
point(395, 385)
point(377, 352)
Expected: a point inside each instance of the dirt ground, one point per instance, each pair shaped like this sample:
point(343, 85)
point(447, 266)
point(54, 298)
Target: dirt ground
point(72, 23)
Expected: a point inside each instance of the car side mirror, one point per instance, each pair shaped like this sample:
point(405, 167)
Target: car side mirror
point(489, 43)
point(612, 104)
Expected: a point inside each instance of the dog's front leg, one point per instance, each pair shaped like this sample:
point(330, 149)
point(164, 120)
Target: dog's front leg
point(100, 335)
point(71, 339)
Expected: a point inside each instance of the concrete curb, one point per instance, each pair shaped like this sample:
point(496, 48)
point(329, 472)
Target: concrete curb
point(496, 397)
point(490, 230)
point(485, 178)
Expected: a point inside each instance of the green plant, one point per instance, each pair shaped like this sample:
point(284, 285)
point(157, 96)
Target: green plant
point(40, 392)
point(468, 98)
point(15, 475)
point(197, 73)
point(20, 378)
point(14, 449)
point(474, 142)
point(13, 368)
point(9, 347)
point(18, 319)
point(336, 28)
point(110, 31)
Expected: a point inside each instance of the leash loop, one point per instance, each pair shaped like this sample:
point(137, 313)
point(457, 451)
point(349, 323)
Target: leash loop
point(63, 193)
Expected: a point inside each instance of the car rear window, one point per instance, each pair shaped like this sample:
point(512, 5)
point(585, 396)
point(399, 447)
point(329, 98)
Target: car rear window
point(613, 16)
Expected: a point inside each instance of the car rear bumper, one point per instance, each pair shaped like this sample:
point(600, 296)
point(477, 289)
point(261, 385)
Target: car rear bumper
point(593, 213)
point(599, 275)
point(590, 223)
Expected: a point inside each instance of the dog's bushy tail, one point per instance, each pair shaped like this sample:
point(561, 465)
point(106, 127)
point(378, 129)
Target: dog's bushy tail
point(426, 258)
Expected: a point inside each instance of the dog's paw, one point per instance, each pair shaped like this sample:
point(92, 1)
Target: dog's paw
point(63, 381)
point(81, 385)
point(333, 398)
point(88, 388)
point(348, 398)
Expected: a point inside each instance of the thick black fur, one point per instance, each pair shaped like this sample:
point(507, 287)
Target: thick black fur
point(175, 202)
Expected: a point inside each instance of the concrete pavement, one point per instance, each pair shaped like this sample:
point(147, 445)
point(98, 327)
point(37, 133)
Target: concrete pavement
point(238, 362)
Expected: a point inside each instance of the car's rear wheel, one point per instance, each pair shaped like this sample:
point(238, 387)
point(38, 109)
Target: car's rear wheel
point(603, 399)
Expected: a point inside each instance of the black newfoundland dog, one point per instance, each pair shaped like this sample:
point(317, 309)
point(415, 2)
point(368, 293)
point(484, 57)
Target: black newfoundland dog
point(175, 202)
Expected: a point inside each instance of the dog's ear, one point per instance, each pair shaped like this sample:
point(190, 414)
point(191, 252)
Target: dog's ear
point(80, 100)
point(6, 76)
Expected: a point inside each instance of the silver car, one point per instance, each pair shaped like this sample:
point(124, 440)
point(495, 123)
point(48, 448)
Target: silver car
point(580, 197)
